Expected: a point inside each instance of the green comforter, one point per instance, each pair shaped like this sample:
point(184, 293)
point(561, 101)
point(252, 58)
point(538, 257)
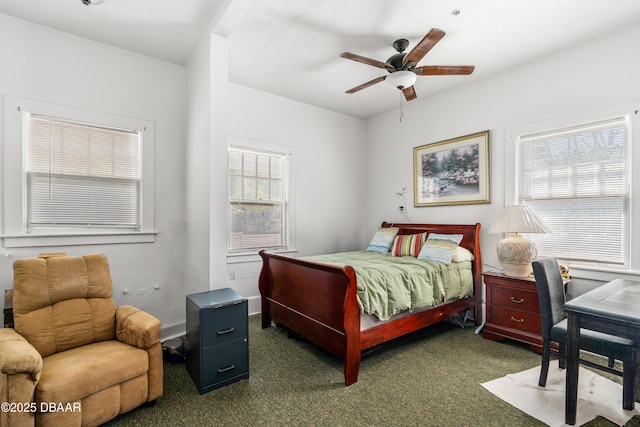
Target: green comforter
point(389, 285)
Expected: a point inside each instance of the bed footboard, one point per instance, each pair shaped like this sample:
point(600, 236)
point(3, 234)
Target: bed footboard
point(330, 318)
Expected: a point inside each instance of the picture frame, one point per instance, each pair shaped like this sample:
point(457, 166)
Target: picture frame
point(452, 172)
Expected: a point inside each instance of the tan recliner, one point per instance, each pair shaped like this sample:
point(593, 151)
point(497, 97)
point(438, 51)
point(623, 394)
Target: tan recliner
point(75, 358)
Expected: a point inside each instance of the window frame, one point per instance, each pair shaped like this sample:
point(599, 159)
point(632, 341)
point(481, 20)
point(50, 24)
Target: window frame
point(54, 148)
point(627, 110)
point(562, 206)
point(14, 200)
point(265, 147)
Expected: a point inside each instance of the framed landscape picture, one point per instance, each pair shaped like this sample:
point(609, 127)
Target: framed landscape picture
point(452, 172)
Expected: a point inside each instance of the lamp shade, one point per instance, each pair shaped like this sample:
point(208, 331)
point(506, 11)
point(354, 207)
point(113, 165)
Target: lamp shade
point(518, 219)
point(401, 79)
point(516, 253)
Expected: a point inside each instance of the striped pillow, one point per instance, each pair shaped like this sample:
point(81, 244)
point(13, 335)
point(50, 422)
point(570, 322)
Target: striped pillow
point(408, 244)
point(383, 239)
point(440, 247)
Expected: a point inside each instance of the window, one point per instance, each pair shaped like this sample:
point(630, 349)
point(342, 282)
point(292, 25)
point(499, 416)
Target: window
point(257, 208)
point(74, 176)
point(81, 176)
point(577, 180)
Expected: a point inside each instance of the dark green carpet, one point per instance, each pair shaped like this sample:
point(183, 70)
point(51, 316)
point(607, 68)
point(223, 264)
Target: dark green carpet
point(429, 378)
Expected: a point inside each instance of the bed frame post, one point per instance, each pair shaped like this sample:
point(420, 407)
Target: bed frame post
point(477, 276)
point(352, 330)
point(264, 286)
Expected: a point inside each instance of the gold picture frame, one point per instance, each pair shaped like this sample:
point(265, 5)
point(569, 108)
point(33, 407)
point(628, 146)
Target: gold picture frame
point(452, 172)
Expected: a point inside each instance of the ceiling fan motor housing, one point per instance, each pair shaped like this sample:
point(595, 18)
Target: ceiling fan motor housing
point(396, 61)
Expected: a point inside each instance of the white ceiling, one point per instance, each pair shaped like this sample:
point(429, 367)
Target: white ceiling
point(291, 47)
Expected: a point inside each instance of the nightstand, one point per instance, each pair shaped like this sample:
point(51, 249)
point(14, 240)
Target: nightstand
point(217, 338)
point(512, 310)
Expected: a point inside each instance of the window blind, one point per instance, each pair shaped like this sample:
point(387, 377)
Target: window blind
point(257, 200)
point(576, 179)
point(81, 176)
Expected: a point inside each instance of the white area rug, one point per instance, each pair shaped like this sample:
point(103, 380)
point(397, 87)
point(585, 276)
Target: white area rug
point(596, 396)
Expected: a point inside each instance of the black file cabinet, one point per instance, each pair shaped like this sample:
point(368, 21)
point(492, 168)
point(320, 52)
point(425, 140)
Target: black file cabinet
point(217, 339)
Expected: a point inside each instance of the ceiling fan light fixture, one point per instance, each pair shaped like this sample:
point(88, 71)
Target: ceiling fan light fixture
point(401, 79)
point(92, 2)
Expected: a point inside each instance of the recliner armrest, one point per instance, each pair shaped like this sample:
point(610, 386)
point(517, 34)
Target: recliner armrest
point(136, 327)
point(17, 356)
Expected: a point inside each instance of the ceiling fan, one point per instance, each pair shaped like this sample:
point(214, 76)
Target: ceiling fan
point(402, 67)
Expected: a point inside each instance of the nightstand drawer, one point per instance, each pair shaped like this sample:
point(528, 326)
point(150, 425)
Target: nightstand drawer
point(519, 299)
point(516, 319)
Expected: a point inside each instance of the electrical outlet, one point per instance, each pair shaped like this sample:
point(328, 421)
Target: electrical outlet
point(232, 275)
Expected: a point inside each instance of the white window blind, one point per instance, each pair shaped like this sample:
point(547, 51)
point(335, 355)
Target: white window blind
point(257, 200)
point(576, 179)
point(81, 176)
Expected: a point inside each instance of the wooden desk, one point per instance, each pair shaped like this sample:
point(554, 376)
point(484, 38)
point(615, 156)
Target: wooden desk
point(613, 308)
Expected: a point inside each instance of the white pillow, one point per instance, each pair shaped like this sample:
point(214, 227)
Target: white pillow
point(461, 254)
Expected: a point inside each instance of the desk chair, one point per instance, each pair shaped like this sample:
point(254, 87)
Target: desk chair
point(551, 297)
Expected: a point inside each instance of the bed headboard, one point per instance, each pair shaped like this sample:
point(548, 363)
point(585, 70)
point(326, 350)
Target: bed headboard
point(470, 240)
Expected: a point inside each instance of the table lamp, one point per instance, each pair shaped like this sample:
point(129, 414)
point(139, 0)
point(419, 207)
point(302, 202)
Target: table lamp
point(516, 253)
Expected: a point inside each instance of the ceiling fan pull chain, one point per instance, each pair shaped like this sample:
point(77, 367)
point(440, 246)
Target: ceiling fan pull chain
point(401, 111)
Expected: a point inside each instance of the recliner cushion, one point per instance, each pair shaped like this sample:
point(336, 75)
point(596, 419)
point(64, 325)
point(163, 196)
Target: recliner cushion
point(71, 375)
point(63, 302)
point(595, 342)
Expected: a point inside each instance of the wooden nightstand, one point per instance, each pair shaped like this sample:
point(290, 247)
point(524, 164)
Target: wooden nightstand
point(513, 310)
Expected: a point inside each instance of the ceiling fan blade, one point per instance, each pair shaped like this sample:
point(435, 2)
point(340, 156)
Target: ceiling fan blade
point(409, 93)
point(365, 60)
point(367, 84)
point(443, 70)
point(425, 45)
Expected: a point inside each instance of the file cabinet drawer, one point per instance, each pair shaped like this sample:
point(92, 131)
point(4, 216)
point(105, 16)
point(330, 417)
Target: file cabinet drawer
point(225, 361)
point(224, 323)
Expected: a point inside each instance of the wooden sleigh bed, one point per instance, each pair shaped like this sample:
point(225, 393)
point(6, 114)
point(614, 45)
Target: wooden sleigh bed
point(319, 301)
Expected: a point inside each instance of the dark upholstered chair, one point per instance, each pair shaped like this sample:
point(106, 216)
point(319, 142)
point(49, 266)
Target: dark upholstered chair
point(554, 329)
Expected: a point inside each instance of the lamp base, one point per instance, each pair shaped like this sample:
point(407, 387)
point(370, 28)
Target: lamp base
point(515, 254)
point(517, 270)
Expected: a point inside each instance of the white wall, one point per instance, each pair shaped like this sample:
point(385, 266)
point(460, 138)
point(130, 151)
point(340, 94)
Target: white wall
point(329, 163)
point(206, 165)
point(327, 177)
point(56, 67)
point(328, 157)
point(198, 180)
point(193, 111)
point(585, 77)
